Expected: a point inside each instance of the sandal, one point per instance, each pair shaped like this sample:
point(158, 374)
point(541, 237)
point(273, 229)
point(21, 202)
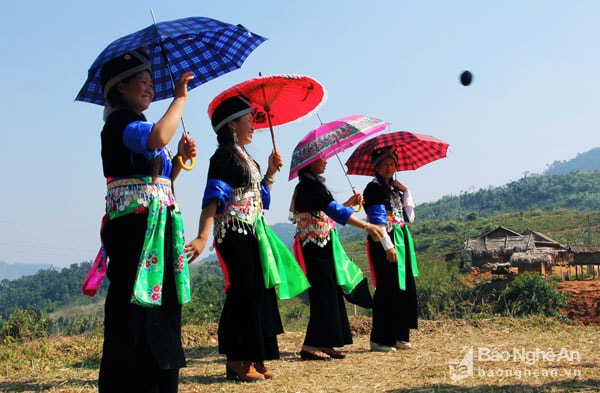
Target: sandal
point(306, 355)
point(335, 354)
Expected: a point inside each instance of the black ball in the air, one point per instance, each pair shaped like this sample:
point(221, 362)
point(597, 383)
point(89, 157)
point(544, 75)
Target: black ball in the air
point(466, 78)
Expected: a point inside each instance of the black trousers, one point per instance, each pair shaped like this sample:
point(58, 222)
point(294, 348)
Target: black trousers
point(328, 325)
point(394, 310)
point(142, 349)
point(250, 320)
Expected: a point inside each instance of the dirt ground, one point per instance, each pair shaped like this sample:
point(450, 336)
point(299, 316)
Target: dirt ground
point(584, 299)
point(584, 302)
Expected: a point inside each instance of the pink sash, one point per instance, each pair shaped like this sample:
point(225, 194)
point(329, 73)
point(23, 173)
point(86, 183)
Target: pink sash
point(298, 253)
point(97, 271)
point(223, 268)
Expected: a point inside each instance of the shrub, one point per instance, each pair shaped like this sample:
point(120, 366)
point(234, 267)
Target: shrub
point(441, 291)
point(25, 324)
point(531, 294)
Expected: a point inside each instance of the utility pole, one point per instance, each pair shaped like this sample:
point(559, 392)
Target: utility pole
point(589, 231)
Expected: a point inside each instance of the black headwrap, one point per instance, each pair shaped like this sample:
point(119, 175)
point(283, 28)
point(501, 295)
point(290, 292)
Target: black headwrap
point(116, 70)
point(230, 109)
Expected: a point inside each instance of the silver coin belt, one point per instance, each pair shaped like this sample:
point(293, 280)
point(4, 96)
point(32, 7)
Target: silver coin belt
point(311, 229)
point(242, 210)
point(128, 195)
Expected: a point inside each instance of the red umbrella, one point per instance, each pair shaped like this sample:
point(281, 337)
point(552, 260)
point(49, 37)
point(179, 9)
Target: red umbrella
point(414, 151)
point(279, 99)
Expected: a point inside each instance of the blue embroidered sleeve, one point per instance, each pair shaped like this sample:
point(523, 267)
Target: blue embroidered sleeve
point(265, 195)
point(338, 212)
point(167, 163)
point(135, 137)
point(216, 189)
point(377, 214)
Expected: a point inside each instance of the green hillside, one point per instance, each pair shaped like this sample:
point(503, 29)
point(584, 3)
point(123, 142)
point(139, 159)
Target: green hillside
point(576, 191)
point(572, 184)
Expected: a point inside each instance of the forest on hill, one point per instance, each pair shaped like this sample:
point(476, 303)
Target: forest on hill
point(571, 184)
point(576, 191)
point(565, 207)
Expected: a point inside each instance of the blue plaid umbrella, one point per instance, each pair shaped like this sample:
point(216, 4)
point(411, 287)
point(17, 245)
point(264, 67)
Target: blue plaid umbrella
point(207, 47)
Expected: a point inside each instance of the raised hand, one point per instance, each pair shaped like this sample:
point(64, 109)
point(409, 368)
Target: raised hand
point(181, 89)
point(275, 162)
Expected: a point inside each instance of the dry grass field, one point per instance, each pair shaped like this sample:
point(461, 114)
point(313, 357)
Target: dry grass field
point(491, 355)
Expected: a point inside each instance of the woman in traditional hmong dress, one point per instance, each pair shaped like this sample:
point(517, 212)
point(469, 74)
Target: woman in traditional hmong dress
point(252, 258)
point(143, 233)
point(329, 270)
point(389, 205)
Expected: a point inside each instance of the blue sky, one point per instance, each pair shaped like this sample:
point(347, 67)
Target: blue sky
point(534, 99)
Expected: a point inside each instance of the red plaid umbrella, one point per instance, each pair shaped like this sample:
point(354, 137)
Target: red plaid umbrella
point(414, 151)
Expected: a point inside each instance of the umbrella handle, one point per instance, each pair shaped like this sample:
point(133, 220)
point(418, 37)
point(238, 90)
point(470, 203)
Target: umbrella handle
point(187, 167)
point(271, 129)
point(354, 191)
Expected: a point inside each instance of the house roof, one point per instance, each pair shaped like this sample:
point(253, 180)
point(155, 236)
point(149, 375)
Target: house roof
point(539, 237)
point(499, 232)
point(583, 249)
point(500, 245)
point(523, 259)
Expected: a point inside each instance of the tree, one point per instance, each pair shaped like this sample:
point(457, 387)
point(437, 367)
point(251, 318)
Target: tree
point(207, 295)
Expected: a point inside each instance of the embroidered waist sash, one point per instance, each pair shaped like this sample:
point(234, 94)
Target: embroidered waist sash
point(279, 267)
point(240, 213)
point(154, 196)
point(392, 219)
point(401, 233)
point(135, 194)
point(347, 273)
point(314, 228)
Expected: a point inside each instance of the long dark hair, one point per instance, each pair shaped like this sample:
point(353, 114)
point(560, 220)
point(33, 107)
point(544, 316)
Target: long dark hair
point(227, 142)
point(306, 174)
point(382, 181)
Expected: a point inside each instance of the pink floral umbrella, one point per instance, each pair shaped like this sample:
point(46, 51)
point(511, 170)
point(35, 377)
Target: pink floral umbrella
point(332, 138)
